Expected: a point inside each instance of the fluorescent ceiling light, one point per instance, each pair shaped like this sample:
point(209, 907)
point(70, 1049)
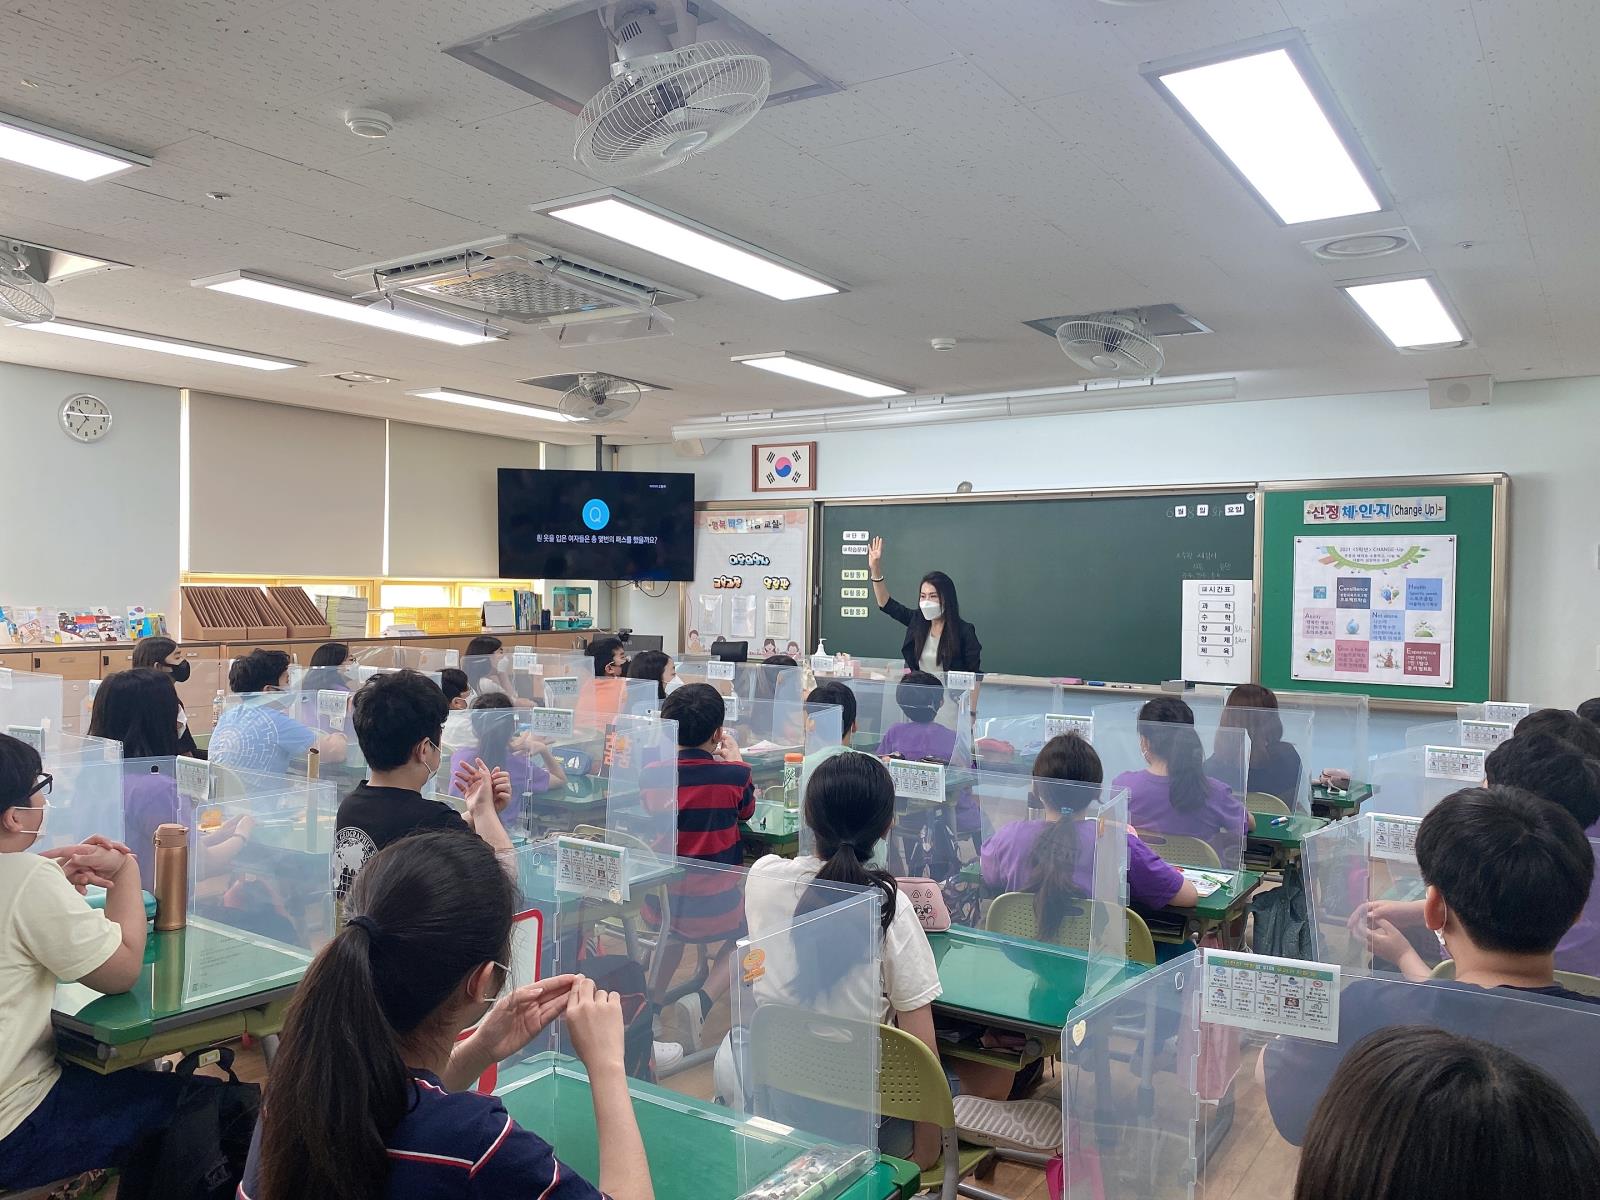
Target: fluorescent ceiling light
point(162, 345)
point(1409, 312)
point(473, 400)
point(1260, 113)
point(784, 363)
point(63, 153)
point(629, 220)
point(410, 319)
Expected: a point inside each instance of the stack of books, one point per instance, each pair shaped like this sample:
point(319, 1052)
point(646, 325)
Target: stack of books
point(346, 614)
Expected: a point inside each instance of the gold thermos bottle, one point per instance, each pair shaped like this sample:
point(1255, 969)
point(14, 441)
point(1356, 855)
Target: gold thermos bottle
point(172, 877)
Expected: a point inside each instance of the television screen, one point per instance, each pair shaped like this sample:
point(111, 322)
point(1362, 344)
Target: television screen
point(596, 525)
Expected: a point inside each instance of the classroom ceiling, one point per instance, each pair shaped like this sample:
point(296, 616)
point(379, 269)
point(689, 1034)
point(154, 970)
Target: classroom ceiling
point(985, 162)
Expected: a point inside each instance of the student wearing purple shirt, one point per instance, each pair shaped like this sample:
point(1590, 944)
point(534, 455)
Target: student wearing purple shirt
point(1053, 858)
point(1173, 795)
point(920, 738)
point(527, 760)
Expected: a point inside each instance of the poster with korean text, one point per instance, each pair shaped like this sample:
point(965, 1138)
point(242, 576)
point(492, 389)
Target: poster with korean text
point(1375, 609)
point(750, 581)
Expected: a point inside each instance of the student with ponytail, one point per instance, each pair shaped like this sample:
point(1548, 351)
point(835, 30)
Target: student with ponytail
point(1173, 795)
point(1054, 859)
point(370, 1096)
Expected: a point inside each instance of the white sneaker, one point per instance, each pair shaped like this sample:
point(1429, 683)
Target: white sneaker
point(681, 1020)
point(666, 1054)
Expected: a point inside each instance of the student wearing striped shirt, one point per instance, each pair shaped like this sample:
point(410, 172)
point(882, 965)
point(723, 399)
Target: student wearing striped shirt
point(371, 1095)
point(715, 792)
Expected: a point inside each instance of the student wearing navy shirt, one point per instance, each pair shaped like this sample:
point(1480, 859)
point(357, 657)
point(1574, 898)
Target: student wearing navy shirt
point(370, 1096)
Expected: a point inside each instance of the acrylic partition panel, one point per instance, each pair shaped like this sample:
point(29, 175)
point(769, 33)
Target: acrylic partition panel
point(791, 1038)
point(1192, 813)
point(1012, 718)
point(503, 740)
point(30, 703)
point(1348, 867)
point(1434, 733)
point(913, 721)
point(268, 732)
point(1580, 950)
point(747, 683)
point(1410, 782)
point(1338, 731)
point(85, 793)
point(639, 769)
point(1166, 1097)
point(1278, 752)
point(604, 697)
point(782, 743)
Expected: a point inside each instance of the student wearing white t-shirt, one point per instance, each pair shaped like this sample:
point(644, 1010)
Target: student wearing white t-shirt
point(57, 1121)
point(849, 805)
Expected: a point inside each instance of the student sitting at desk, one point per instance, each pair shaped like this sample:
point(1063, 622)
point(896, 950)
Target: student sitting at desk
point(372, 1093)
point(1507, 874)
point(831, 691)
point(457, 690)
point(257, 734)
point(609, 658)
point(58, 1121)
point(399, 719)
point(489, 669)
point(1421, 1114)
point(657, 665)
point(1173, 795)
point(1564, 724)
point(1047, 857)
point(921, 738)
point(1274, 764)
point(528, 762)
point(162, 654)
point(328, 672)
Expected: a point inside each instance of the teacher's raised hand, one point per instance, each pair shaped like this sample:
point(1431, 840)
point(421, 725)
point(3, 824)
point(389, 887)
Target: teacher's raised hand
point(880, 589)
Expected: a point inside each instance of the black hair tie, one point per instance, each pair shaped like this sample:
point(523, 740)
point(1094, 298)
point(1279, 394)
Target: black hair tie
point(374, 930)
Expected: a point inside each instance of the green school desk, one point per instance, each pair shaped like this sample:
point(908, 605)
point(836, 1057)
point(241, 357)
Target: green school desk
point(203, 984)
point(1220, 910)
point(695, 1148)
point(1273, 847)
point(1339, 805)
point(1010, 982)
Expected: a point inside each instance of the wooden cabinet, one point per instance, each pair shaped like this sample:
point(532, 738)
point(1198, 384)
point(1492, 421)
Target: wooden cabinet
point(112, 661)
point(80, 662)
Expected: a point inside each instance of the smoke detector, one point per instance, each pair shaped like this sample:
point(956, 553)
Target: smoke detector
point(943, 343)
point(368, 122)
point(359, 377)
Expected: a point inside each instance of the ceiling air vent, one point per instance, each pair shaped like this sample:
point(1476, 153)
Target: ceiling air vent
point(513, 279)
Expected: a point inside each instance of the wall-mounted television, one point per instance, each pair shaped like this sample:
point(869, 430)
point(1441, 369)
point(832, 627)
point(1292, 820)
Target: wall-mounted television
point(633, 525)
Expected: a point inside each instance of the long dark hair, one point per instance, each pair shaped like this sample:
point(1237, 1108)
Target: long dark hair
point(1419, 1113)
point(1254, 709)
point(139, 709)
point(1054, 858)
point(153, 651)
point(492, 731)
point(920, 625)
point(1167, 726)
point(430, 909)
point(330, 654)
point(650, 664)
point(478, 661)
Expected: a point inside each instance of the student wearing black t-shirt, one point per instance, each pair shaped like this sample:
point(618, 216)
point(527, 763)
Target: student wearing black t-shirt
point(399, 721)
point(1507, 875)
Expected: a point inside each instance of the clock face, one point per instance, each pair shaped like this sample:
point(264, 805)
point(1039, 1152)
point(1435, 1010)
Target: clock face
point(86, 418)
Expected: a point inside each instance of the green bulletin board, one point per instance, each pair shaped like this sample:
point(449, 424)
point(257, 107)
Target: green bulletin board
point(1476, 508)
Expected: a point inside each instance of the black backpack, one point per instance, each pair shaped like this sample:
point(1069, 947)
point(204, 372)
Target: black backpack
point(201, 1154)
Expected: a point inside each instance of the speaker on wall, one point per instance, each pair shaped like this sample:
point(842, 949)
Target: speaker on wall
point(1462, 391)
point(695, 447)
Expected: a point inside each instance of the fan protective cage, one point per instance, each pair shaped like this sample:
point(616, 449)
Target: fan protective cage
point(1111, 346)
point(23, 299)
point(600, 398)
point(655, 117)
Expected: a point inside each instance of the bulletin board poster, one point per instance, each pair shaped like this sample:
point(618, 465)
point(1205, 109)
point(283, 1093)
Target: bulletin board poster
point(1375, 610)
point(751, 580)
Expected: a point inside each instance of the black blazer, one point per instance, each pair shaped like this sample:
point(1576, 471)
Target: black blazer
point(969, 651)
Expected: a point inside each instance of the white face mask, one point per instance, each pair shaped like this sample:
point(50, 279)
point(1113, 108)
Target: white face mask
point(502, 665)
point(36, 834)
point(932, 610)
point(673, 685)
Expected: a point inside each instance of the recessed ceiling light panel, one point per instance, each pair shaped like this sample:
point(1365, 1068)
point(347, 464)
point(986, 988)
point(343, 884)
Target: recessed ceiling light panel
point(134, 340)
point(1265, 110)
point(490, 404)
point(47, 149)
point(783, 363)
point(1410, 312)
point(404, 318)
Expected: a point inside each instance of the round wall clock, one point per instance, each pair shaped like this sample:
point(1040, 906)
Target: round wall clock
point(86, 418)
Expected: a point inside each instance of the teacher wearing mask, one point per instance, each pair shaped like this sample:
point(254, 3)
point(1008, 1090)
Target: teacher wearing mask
point(937, 639)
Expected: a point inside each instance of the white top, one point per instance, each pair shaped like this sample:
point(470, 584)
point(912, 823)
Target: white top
point(909, 980)
point(47, 933)
point(930, 655)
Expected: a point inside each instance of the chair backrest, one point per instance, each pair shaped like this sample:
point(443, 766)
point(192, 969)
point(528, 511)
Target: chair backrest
point(1180, 850)
point(811, 1052)
point(1573, 981)
point(1265, 802)
point(1012, 914)
point(911, 1083)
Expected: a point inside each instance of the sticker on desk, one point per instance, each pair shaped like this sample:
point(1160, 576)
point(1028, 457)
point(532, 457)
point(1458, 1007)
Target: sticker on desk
point(331, 707)
point(1484, 733)
point(598, 870)
point(452, 659)
point(1395, 838)
point(917, 780)
point(523, 660)
point(1461, 763)
point(752, 962)
point(551, 722)
point(719, 670)
point(194, 779)
point(961, 681)
point(33, 735)
point(822, 664)
point(560, 687)
point(1056, 724)
point(1273, 995)
point(527, 942)
point(1504, 711)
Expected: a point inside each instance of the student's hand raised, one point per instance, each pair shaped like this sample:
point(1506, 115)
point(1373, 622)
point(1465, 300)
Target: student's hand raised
point(520, 1016)
point(594, 1023)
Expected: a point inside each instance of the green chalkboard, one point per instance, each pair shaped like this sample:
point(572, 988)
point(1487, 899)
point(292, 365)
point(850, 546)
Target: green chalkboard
point(1084, 585)
point(1475, 515)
